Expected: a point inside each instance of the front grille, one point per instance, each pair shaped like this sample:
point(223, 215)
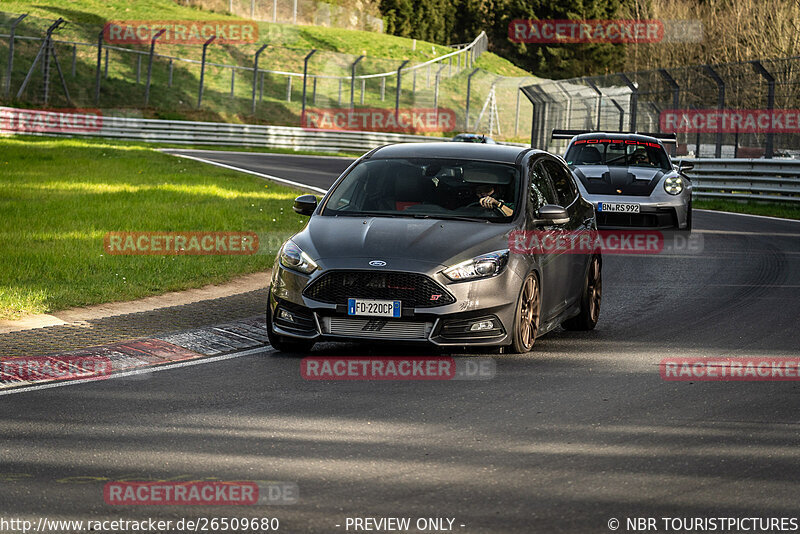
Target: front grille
point(376, 328)
point(661, 219)
point(413, 290)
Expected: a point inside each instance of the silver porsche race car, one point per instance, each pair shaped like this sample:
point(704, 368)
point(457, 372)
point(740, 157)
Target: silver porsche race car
point(630, 179)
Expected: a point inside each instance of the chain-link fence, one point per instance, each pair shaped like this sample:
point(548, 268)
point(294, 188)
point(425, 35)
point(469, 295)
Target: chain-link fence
point(353, 15)
point(57, 64)
point(748, 109)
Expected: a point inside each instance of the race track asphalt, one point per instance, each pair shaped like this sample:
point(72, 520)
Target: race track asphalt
point(580, 431)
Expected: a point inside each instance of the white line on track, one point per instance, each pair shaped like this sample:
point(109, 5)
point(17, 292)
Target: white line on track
point(747, 215)
point(276, 154)
point(254, 173)
point(146, 370)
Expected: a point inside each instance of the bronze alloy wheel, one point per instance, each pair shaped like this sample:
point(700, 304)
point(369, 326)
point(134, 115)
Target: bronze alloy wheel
point(527, 317)
point(589, 313)
point(595, 289)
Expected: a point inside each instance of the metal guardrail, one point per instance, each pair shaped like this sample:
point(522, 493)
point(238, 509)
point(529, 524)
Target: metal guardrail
point(216, 133)
point(745, 179)
point(775, 180)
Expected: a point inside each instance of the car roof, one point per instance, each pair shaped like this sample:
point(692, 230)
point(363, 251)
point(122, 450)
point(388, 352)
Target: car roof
point(615, 135)
point(476, 151)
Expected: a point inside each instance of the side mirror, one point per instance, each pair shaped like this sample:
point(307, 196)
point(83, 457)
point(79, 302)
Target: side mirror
point(305, 204)
point(684, 166)
point(552, 214)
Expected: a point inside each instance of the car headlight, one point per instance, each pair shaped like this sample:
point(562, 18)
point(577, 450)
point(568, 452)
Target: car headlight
point(292, 257)
point(673, 185)
point(483, 266)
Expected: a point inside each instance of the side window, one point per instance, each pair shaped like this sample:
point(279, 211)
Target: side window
point(562, 181)
point(541, 190)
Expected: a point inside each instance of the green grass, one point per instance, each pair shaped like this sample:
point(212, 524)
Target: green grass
point(58, 199)
point(770, 209)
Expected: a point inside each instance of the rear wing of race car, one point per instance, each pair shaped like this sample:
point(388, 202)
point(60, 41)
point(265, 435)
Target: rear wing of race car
point(665, 138)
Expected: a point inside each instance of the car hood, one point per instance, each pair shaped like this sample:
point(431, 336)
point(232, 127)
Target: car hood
point(605, 180)
point(428, 241)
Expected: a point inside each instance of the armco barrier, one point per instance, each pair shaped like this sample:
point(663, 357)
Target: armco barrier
point(775, 180)
point(745, 179)
point(217, 133)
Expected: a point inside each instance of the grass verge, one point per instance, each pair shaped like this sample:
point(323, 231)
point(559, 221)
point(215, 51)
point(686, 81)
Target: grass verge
point(58, 199)
point(769, 209)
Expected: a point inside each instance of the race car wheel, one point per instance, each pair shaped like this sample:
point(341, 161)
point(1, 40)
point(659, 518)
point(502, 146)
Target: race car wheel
point(283, 343)
point(689, 217)
point(590, 300)
point(526, 319)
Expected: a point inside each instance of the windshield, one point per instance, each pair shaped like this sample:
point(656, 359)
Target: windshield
point(426, 187)
point(618, 153)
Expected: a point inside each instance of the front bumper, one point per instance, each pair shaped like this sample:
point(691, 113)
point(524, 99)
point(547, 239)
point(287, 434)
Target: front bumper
point(491, 302)
point(654, 213)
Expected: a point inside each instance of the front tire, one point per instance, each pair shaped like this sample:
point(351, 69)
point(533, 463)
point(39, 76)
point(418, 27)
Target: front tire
point(526, 318)
point(590, 299)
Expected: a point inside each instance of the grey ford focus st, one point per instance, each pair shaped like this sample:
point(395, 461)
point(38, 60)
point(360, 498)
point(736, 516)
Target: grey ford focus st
point(412, 244)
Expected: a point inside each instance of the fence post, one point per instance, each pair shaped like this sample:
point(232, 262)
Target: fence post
point(353, 80)
point(294, 13)
point(203, 71)
point(516, 117)
point(634, 102)
point(314, 92)
point(233, 81)
point(274, 10)
point(720, 103)
point(363, 89)
point(74, 58)
point(399, 85)
point(105, 68)
point(138, 68)
point(150, 65)
point(288, 88)
point(594, 87)
point(170, 72)
point(469, 92)
point(255, 79)
point(436, 91)
point(305, 79)
point(676, 95)
point(99, 67)
point(621, 114)
point(760, 69)
point(10, 68)
point(383, 88)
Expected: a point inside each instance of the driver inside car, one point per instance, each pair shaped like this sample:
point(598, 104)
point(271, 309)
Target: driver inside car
point(640, 157)
point(485, 193)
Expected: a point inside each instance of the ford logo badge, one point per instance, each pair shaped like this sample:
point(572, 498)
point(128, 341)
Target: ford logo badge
point(377, 263)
